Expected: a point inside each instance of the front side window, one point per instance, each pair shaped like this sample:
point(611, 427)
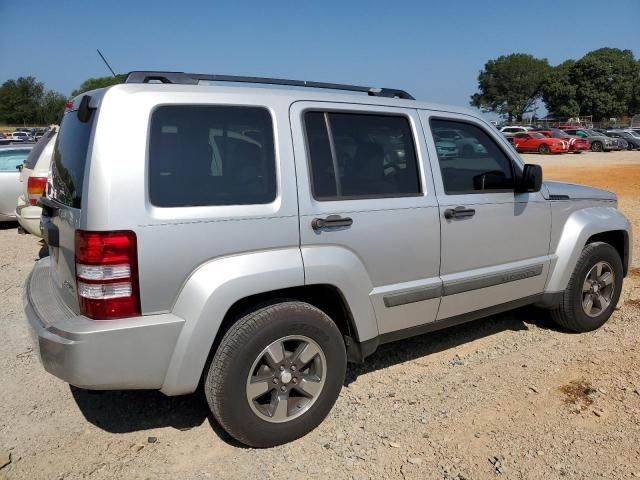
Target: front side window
point(211, 155)
point(354, 156)
point(472, 164)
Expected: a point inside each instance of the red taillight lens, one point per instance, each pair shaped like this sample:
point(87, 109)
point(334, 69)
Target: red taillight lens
point(35, 188)
point(107, 274)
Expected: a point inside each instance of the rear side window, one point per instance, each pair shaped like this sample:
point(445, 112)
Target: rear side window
point(37, 150)
point(355, 156)
point(10, 159)
point(211, 155)
point(69, 160)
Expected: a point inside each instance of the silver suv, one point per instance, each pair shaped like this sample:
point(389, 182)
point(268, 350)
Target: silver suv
point(254, 238)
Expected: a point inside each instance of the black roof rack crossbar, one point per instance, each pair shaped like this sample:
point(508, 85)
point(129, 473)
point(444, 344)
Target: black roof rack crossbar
point(194, 78)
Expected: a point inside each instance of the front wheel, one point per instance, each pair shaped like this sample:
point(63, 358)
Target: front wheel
point(544, 149)
point(276, 374)
point(597, 147)
point(593, 290)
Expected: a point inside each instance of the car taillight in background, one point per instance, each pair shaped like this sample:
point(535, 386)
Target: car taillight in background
point(35, 188)
point(107, 274)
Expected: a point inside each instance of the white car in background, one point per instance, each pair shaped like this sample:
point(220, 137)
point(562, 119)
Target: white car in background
point(511, 129)
point(34, 182)
point(22, 136)
point(11, 157)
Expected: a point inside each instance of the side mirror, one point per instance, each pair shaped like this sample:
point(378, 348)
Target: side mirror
point(531, 180)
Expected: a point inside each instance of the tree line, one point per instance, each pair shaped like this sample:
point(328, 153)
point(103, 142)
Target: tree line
point(24, 100)
point(604, 83)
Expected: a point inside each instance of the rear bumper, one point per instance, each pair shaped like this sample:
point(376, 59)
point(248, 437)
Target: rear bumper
point(132, 353)
point(28, 217)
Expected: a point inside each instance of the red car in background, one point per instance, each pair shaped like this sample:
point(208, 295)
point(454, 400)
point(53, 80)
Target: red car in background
point(576, 144)
point(537, 142)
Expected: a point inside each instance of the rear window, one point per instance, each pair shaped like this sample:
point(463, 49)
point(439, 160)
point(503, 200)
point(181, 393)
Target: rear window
point(37, 150)
point(211, 155)
point(69, 160)
point(10, 159)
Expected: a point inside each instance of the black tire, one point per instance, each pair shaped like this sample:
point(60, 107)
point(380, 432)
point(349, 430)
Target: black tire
point(225, 385)
point(596, 147)
point(544, 149)
point(570, 313)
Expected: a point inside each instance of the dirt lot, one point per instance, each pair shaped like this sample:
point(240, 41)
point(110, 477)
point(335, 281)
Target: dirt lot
point(509, 396)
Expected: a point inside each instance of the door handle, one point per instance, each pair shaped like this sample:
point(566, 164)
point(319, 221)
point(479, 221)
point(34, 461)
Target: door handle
point(332, 221)
point(459, 212)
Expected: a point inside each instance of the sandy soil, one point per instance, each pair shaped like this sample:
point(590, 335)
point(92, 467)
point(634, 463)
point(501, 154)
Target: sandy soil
point(509, 396)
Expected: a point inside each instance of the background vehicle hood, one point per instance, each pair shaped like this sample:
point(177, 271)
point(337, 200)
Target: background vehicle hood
point(572, 191)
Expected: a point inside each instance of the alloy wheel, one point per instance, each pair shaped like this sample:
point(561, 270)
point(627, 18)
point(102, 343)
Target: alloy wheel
point(286, 379)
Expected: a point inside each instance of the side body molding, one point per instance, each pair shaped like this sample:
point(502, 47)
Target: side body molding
point(207, 296)
point(578, 228)
point(340, 267)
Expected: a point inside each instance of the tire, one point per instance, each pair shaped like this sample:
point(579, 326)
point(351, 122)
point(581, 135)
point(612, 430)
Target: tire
point(544, 149)
point(570, 313)
point(228, 380)
point(596, 147)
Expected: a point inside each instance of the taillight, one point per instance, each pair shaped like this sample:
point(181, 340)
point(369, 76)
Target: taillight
point(107, 274)
point(35, 189)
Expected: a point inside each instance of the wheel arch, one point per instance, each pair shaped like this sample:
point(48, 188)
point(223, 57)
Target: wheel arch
point(585, 226)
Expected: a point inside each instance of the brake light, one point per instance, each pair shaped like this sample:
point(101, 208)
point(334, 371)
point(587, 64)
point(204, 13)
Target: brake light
point(35, 189)
point(107, 274)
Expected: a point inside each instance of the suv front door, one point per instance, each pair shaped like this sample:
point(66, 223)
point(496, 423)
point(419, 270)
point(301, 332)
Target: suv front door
point(368, 213)
point(495, 242)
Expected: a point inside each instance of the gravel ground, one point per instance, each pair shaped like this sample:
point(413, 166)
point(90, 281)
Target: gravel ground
point(509, 396)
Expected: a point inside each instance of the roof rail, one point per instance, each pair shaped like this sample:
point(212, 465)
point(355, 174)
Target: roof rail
point(194, 79)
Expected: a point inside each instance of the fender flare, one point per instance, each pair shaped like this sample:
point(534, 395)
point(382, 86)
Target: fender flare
point(578, 228)
point(209, 293)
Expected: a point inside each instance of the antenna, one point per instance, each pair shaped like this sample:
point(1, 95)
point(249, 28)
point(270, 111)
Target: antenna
point(105, 62)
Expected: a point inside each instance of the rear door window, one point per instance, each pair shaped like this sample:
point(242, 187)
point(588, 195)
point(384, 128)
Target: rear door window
point(211, 155)
point(69, 160)
point(356, 156)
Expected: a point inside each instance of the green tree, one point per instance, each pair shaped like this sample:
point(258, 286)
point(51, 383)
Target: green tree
point(99, 82)
point(558, 93)
point(605, 81)
point(51, 106)
point(20, 100)
point(511, 85)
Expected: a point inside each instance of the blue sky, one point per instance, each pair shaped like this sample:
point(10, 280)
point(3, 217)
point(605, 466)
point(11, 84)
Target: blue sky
point(432, 49)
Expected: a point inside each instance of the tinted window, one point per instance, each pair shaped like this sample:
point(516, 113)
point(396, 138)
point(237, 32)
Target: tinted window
point(473, 164)
point(360, 156)
point(10, 159)
point(69, 159)
point(200, 155)
point(32, 159)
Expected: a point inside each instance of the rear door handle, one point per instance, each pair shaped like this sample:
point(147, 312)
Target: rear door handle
point(459, 212)
point(332, 221)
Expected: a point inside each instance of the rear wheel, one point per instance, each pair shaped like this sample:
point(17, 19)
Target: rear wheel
point(596, 146)
point(544, 149)
point(276, 374)
point(593, 290)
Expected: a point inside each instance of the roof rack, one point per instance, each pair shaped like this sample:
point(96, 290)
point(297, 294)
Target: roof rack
point(194, 78)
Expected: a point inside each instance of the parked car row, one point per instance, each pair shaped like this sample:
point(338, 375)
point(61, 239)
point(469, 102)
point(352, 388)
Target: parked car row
point(570, 138)
point(23, 135)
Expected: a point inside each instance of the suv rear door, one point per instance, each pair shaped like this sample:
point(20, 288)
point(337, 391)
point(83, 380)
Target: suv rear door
point(495, 242)
point(65, 193)
point(367, 206)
